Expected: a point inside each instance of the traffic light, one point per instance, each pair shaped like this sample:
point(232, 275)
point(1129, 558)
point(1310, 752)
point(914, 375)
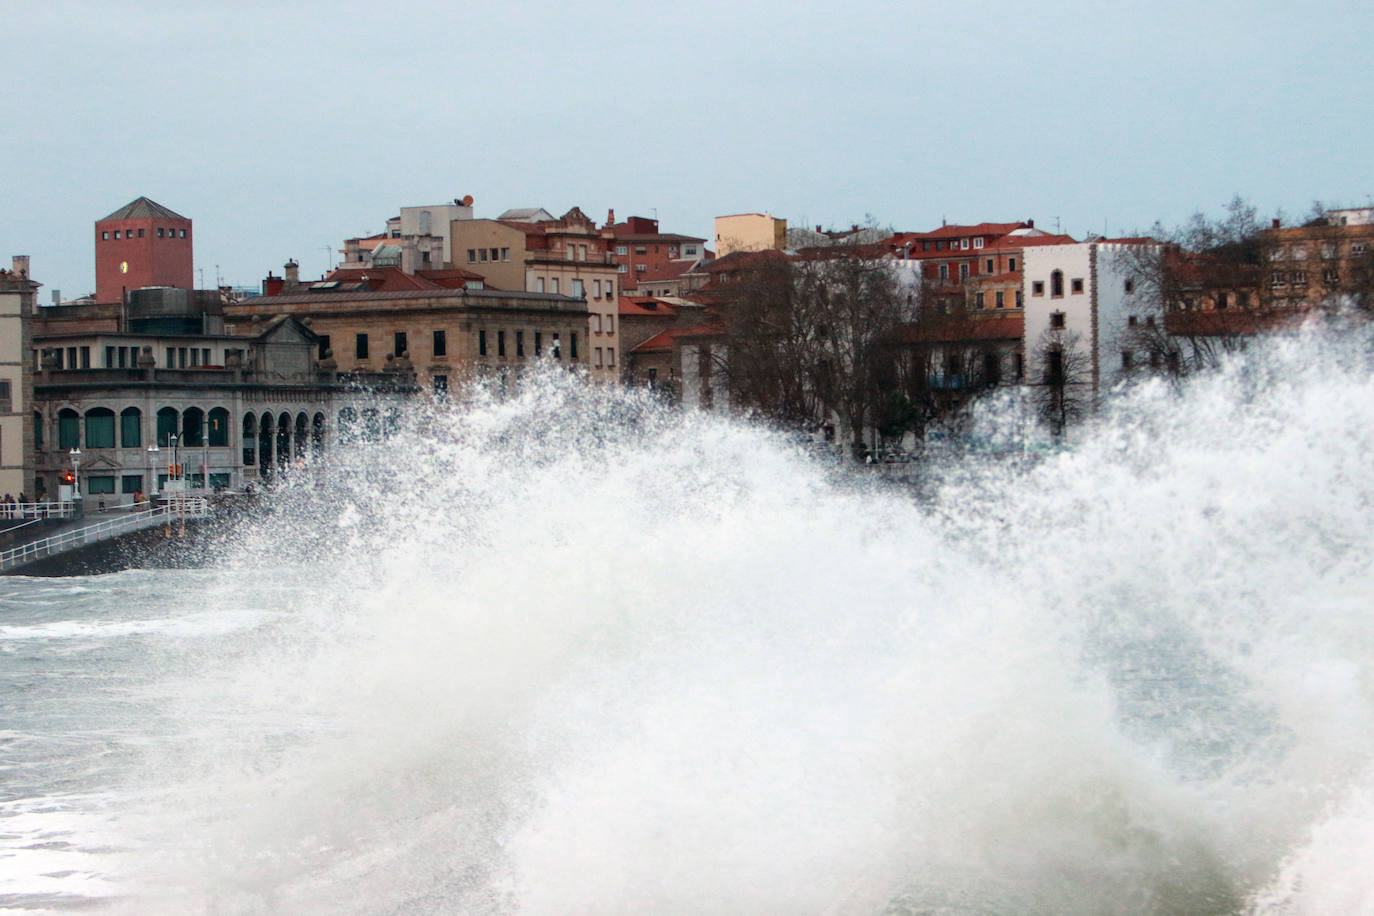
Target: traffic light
point(68, 477)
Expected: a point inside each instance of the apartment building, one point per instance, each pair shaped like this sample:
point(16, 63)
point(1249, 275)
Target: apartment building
point(531, 250)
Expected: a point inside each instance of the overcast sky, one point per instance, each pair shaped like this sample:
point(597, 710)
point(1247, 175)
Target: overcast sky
point(281, 133)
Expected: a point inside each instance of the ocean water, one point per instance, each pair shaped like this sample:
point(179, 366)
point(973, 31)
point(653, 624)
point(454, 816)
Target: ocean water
point(568, 652)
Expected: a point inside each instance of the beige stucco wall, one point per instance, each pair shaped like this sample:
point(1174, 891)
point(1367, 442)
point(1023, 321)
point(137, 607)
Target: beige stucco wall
point(460, 317)
point(749, 232)
point(16, 429)
point(476, 235)
point(602, 330)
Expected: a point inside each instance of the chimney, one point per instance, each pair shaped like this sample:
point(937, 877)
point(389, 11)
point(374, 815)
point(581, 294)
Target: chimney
point(853, 227)
point(610, 218)
point(293, 271)
point(1030, 224)
point(1276, 222)
point(21, 266)
point(818, 229)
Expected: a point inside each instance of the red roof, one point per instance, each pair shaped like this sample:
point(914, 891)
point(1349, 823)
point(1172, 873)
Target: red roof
point(670, 271)
point(1227, 322)
point(958, 232)
point(666, 340)
point(393, 279)
point(659, 343)
point(1012, 327)
point(450, 278)
point(739, 260)
point(1016, 242)
point(646, 305)
point(662, 238)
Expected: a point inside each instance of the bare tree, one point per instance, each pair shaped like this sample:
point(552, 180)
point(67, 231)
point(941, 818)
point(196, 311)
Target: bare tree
point(1196, 291)
point(1064, 390)
point(806, 339)
point(944, 362)
point(1203, 263)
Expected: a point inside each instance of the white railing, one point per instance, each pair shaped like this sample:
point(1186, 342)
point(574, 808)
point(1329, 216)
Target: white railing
point(65, 509)
point(176, 508)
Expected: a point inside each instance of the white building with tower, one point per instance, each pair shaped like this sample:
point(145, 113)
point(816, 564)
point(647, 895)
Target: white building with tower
point(1079, 299)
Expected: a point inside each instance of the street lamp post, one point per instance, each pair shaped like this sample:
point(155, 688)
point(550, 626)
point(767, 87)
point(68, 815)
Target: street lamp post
point(175, 470)
point(153, 452)
point(75, 455)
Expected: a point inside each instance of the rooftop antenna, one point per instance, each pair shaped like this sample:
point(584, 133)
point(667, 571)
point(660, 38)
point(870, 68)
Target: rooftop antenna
point(329, 258)
point(219, 281)
point(1056, 226)
point(201, 272)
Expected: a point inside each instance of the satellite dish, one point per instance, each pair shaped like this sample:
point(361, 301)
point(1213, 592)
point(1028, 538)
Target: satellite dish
point(467, 201)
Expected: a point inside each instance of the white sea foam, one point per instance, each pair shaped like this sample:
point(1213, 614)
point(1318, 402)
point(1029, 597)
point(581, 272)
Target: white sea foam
point(208, 624)
point(568, 652)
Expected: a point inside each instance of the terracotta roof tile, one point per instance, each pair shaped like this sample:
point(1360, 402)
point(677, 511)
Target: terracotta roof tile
point(1011, 327)
point(646, 305)
point(1016, 242)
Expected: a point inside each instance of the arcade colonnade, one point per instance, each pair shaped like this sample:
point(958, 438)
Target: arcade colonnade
point(131, 448)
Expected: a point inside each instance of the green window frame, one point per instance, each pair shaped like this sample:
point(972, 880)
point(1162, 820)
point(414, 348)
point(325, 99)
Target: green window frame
point(68, 430)
point(130, 427)
point(100, 428)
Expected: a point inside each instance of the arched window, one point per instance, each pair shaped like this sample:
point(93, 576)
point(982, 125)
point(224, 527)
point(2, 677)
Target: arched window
point(348, 424)
point(265, 445)
point(167, 426)
point(100, 428)
point(250, 440)
point(37, 431)
point(317, 432)
point(193, 427)
point(302, 425)
point(218, 427)
point(372, 424)
point(68, 429)
point(283, 438)
point(1057, 283)
point(130, 427)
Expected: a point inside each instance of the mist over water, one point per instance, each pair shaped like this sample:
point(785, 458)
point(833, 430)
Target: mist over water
point(569, 652)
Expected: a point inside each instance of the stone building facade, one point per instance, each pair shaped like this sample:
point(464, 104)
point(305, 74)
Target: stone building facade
point(443, 336)
point(139, 411)
point(17, 302)
point(533, 251)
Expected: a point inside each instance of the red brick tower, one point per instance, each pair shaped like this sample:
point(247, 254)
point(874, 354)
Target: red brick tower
point(141, 244)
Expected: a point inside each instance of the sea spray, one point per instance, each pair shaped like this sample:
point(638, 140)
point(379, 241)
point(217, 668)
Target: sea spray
point(563, 649)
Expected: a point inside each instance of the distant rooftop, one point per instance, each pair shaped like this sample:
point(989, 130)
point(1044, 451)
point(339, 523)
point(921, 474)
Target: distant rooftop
point(143, 208)
point(528, 215)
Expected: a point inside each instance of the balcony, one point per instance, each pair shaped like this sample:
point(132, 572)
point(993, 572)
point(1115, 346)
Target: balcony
point(559, 257)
